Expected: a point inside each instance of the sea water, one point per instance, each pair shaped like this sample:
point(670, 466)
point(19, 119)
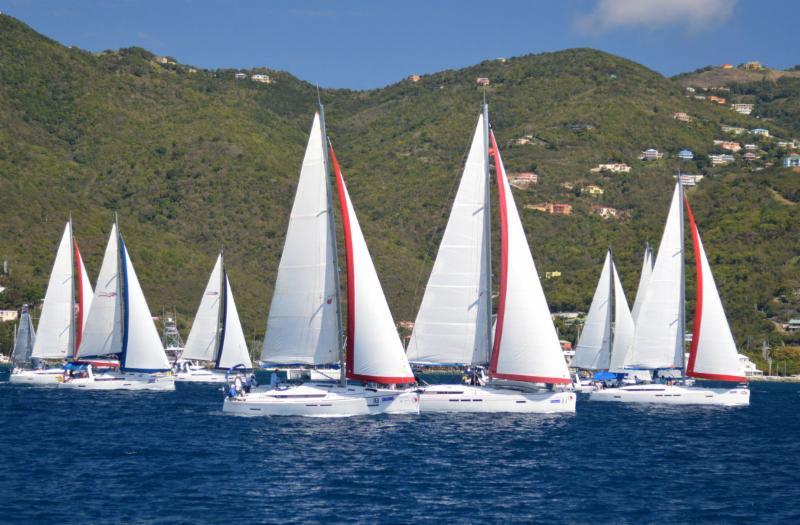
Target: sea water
point(135, 457)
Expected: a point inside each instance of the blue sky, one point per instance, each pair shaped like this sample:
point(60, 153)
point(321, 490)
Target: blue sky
point(363, 44)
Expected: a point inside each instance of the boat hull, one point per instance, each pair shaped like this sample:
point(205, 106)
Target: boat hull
point(674, 395)
point(117, 380)
point(318, 400)
point(200, 376)
point(464, 398)
point(43, 377)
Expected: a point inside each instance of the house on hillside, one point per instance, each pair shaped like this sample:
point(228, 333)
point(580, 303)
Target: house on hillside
point(788, 144)
point(733, 130)
point(406, 325)
point(8, 316)
point(593, 190)
point(240, 76)
point(552, 208)
point(613, 167)
point(750, 147)
point(689, 181)
point(650, 154)
point(753, 65)
point(728, 146)
point(749, 156)
point(682, 116)
point(744, 109)
point(607, 212)
point(721, 160)
point(523, 180)
point(726, 66)
point(414, 78)
point(685, 154)
point(760, 132)
point(264, 79)
point(482, 81)
point(719, 100)
point(791, 161)
point(690, 89)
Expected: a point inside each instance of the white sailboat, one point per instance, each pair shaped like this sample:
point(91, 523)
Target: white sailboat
point(454, 325)
point(216, 337)
point(608, 331)
point(119, 325)
point(64, 312)
point(659, 334)
point(306, 320)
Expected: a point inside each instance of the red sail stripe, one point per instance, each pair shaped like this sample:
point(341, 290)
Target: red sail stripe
point(531, 379)
point(351, 285)
point(501, 302)
point(698, 311)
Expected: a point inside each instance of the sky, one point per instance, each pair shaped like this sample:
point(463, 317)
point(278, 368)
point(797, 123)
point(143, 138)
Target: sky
point(362, 44)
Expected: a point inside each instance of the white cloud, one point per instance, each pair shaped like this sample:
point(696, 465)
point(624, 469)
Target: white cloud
point(694, 15)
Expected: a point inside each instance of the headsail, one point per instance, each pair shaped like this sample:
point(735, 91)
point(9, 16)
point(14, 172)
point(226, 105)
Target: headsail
point(659, 334)
point(303, 324)
point(644, 277)
point(55, 339)
point(233, 346)
point(526, 346)
point(623, 327)
point(593, 351)
point(713, 353)
point(25, 340)
point(83, 297)
point(374, 351)
point(202, 342)
point(453, 322)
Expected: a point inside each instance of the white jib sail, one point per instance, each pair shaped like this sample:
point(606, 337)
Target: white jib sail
point(102, 334)
point(528, 349)
point(658, 338)
point(377, 353)
point(452, 321)
point(644, 276)
point(88, 294)
point(144, 350)
point(716, 356)
point(202, 341)
point(593, 351)
point(53, 338)
point(303, 326)
point(233, 348)
point(623, 327)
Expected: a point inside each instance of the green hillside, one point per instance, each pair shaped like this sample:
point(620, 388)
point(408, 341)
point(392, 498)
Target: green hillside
point(194, 161)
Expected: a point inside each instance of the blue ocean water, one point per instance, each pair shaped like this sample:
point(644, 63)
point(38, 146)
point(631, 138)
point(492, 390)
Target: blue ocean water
point(94, 457)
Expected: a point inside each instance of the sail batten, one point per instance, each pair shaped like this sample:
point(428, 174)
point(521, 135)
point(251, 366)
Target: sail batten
point(453, 322)
point(526, 345)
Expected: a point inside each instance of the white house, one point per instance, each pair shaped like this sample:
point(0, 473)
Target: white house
point(264, 79)
point(8, 315)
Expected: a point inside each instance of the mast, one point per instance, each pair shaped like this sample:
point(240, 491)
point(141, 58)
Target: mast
point(487, 228)
point(682, 301)
point(72, 335)
point(122, 288)
point(221, 310)
point(332, 226)
point(611, 317)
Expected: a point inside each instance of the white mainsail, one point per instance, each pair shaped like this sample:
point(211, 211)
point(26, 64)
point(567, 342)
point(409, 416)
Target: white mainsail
point(202, 341)
point(25, 338)
point(658, 337)
point(233, 346)
point(374, 350)
point(623, 327)
point(142, 349)
point(526, 346)
point(593, 351)
point(453, 320)
point(55, 334)
point(644, 277)
point(102, 334)
point(303, 324)
point(713, 353)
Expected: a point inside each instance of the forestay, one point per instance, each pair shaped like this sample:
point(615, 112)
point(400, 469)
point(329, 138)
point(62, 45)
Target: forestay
point(374, 351)
point(713, 354)
point(593, 351)
point(303, 325)
point(55, 325)
point(453, 319)
point(658, 337)
point(526, 346)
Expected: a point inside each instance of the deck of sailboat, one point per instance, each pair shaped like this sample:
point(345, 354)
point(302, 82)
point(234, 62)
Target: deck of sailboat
point(678, 394)
point(495, 397)
point(122, 380)
point(41, 376)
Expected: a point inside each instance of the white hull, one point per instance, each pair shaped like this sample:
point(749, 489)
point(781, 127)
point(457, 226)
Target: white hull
point(201, 376)
point(464, 398)
point(117, 380)
point(43, 377)
point(323, 400)
point(674, 395)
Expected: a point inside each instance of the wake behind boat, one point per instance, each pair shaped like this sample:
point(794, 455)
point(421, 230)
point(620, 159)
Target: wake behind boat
point(304, 323)
point(216, 337)
point(659, 335)
point(454, 324)
point(119, 325)
point(64, 314)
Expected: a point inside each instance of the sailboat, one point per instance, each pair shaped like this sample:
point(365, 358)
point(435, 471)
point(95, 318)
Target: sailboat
point(64, 313)
point(119, 326)
point(644, 277)
point(454, 323)
point(305, 313)
point(608, 331)
point(216, 337)
point(658, 339)
point(24, 338)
